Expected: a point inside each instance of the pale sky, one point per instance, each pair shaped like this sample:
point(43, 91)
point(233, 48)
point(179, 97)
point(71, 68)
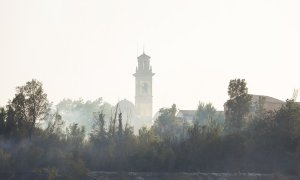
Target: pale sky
point(88, 48)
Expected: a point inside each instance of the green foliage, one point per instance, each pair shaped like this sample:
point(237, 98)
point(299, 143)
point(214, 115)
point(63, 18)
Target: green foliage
point(29, 107)
point(55, 126)
point(11, 127)
point(75, 134)
point(168, 126)
point(288, 120)
point(2, 121)
point(204, 113)
point(98, 134)
point(238, 106)
point(32, 103)
point(207, 112)
point(269, 143)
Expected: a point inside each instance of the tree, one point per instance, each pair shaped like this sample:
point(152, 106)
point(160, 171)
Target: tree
point(30, 106)
point(98, 129)
point(167, 125)
point(75, 138)
point(120, 127)
point(19, 110)
point(55, 126)
point(2, 121)
point(204, 113)
point(288, 124)
point(75, 134)
point(238, 106)
point(10, 124)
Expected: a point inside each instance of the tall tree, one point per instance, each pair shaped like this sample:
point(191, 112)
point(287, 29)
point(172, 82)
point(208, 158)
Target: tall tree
point(11, 123)
point(75, 138)
point(120, 129)
point(238, 106)
point(98, 129)
point(55, 125)
point(30, 105)
point(2, 120)
point(288, 121)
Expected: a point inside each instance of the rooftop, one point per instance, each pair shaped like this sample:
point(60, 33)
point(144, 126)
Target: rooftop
point(144, 56)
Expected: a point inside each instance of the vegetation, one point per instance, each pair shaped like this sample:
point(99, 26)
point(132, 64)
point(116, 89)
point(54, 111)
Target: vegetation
point(82, 112)
point(268, 142)
point(206, 113)
point(238, 105)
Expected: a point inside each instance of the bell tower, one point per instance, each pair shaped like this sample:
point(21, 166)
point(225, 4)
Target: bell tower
point(143, 89)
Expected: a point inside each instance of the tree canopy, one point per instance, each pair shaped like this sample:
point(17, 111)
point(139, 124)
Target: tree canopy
point(238, 105)
point(268, 143)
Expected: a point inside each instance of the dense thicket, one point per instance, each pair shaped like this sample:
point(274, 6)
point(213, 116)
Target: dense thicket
point(265, 143)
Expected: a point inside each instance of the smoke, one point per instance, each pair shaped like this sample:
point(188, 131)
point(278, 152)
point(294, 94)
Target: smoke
point(81, 112)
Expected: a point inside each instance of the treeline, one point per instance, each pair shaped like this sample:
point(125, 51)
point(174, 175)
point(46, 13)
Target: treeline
point(246, 141)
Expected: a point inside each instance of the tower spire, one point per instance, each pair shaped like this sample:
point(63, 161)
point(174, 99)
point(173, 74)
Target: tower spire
point(143, 48)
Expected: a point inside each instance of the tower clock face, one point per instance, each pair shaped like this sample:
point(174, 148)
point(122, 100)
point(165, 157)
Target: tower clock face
point(145, 87)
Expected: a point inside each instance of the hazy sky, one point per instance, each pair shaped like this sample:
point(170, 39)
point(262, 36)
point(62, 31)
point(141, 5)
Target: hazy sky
point(88, 48)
